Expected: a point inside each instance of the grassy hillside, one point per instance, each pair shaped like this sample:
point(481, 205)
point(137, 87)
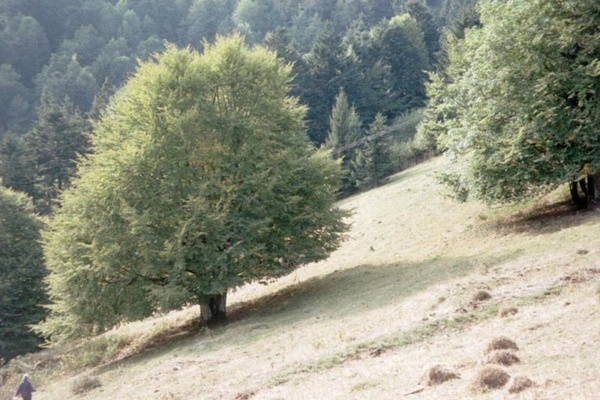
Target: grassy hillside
point(421, 281)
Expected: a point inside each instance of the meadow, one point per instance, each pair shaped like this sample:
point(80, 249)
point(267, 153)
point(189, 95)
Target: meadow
point(422, 284)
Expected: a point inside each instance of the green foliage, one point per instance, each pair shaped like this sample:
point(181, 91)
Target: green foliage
point(67, 51)
point(518, 108)
point(16, 169)
point(114, 63)
point(64, 78)
point(330, 69)
point(430, 28)
point(206, 19)
point(344, 124)
point(393, 60)
point(373, 163)
point(202, 178)
point(344, 133)
point(255, 18)
point(26, 46)
point(68, 40)
point(404, 49)
point(58, 137)
point(21, 274)
point(15, 107)
point(85, 45)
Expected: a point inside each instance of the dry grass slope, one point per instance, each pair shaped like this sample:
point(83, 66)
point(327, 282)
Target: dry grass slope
point(396, 298)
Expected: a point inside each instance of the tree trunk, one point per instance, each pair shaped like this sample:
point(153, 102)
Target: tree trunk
point(594, 186)
point(574, 194)
point(214, 308)
point(588, 189)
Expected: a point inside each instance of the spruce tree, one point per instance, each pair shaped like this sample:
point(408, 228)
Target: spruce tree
point(58, 137)
point(344, 133)
point(373, 162)
point(22, 271)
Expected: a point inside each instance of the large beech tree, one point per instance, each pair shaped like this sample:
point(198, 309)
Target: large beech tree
point(518, 105)
point(202, 178)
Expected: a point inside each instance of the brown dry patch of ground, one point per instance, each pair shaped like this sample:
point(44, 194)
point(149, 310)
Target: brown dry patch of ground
point(397, 297)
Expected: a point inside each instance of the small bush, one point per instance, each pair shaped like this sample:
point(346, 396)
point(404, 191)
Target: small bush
point(491, 378)
point(520, 383)
point(438, 374)
point(502, 357)
point(95, 351)
point(481, 295)
point(85, 384)
point(501, 343)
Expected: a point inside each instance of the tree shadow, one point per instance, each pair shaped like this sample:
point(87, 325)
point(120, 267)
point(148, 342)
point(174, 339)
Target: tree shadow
point(361, 289)
point(548, 218)
point(338, 295)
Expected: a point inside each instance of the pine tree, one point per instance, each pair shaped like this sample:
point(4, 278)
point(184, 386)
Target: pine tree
point(376, 163)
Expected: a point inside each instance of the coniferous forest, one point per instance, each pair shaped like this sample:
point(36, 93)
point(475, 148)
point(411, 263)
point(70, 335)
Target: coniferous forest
point(61, 62)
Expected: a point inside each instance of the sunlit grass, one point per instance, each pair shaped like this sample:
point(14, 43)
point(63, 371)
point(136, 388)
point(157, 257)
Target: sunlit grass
point(402, 290)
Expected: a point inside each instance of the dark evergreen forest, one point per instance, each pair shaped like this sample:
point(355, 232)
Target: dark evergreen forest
point(61, 61)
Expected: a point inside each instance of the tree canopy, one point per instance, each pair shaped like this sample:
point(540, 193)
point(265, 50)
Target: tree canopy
point(21, 274)
point(202, 178)
point(69, 52)
point(517, 107)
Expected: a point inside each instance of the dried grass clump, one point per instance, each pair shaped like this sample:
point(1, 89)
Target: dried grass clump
point(520, 383)
point(85, 384)
point(481, 295)
point(438, 374)
point(491, 378)
point(502, 357)
point(501, 343)
point(505, 312)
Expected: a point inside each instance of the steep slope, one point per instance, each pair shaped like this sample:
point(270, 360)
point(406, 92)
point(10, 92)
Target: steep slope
point(421, 280)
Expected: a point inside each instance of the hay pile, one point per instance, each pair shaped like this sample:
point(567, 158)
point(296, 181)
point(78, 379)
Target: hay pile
point(501, 343)
point(491, 377)
point(520, 383)
point(437, 375)
point(501, 351)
